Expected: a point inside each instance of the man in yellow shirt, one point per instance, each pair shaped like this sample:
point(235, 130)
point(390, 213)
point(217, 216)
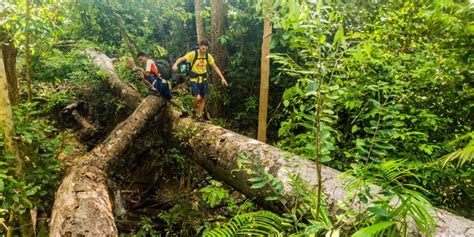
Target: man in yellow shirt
point(199, 60)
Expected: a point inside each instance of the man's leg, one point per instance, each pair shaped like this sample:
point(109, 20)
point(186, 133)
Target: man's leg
point(198, 105)
point(183, 111)
point(195, 93)
point(202, 104)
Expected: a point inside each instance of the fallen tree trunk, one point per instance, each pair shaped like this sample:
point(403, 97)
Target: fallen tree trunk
point(127, 93)
point(82, 205)
point(217, 150)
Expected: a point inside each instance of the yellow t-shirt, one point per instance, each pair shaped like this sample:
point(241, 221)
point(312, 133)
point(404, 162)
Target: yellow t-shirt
point(200, 66)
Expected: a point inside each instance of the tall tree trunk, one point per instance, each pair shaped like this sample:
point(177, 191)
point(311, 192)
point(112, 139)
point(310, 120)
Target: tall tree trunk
point(9, 56)
point(27, 52)
point(199, 26)
point(218, 51)
point(264, 74)
point(10, 146)
point(82, 205)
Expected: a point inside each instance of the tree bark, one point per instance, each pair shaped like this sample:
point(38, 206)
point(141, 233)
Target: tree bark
point(264, 75)
point(82, 205)
point(131, 96)
point(9, 57)
point(199, 26)
point(10, 147)
point(27, 53)
point(217, 150)
point(219, 52)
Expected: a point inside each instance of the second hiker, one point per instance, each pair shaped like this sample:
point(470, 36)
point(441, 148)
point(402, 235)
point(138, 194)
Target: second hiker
point(155, 83)
point(199, 59)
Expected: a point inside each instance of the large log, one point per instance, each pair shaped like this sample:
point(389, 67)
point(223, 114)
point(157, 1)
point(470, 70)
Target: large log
point(82, 205)
point(217, 150)
point(101, 60)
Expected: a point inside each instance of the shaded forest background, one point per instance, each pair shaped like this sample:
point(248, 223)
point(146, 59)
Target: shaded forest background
point(382, 90)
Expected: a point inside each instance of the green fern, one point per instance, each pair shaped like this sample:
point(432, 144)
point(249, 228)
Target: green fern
point(261, 223)
point(411, 205)
point(464, 155)
point(386, 228)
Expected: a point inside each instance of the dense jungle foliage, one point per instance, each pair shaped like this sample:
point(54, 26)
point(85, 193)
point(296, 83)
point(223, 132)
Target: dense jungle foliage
point(382, 90)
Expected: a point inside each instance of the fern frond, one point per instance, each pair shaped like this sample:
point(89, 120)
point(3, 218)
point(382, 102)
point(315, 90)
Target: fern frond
point(463, 156)
point(393, 170)
point(261, 223)
point(378, 229)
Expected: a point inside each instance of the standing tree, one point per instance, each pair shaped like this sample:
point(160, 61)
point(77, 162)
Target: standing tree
point(265, 72)
point(199, 26)
point(9, 55)
point(27, 51)
point(10, 148)
point(219, 51)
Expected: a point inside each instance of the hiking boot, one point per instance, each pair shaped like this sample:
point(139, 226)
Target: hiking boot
point(200, 119)
point(184, 113)
point(193, 115)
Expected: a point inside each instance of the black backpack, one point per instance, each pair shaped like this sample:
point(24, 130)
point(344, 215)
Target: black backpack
point(164, 68)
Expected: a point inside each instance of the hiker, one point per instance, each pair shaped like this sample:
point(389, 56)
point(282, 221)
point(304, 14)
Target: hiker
point(199, 59)
point(155, 83)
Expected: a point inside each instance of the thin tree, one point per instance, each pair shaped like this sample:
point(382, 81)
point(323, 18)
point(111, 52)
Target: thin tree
point(10, 147)
point(199, 26)
point(9, 55)
point(27, 52)
point(264, 73)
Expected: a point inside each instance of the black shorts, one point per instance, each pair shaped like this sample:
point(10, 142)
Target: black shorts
point(163, 89)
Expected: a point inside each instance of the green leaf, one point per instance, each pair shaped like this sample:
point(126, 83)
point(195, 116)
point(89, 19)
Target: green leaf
point(271, 198)
point(355, 128)
point(374, 229)
point(378, 211)
point(258, 185)
point(286, 103)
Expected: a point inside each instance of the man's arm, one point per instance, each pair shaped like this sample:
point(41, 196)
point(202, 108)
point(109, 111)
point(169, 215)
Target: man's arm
point(180, 60)
point(219, 73)
point(142, 76)
point(139, 69)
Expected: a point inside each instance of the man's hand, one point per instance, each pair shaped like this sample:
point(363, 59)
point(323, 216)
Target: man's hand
point(174, 68)
point(224, 82)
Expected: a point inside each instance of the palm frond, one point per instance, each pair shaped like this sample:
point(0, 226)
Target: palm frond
point(464, 155)
point(379, 229)
point(261, 223)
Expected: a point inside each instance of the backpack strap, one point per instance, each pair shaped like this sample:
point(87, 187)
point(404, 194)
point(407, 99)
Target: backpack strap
point(196, 55)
